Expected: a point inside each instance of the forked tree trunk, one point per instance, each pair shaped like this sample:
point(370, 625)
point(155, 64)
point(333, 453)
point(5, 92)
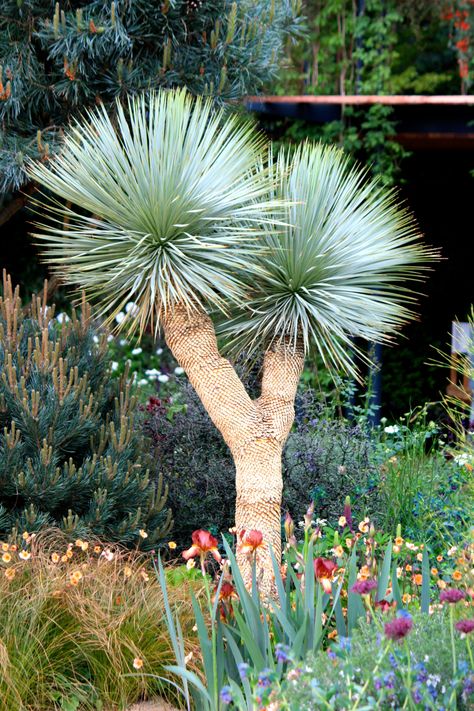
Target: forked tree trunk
point(254, 430)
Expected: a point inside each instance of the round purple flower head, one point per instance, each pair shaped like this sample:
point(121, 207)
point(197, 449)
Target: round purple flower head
point(363, 587)
point(465, 626)
point(398, 628)
point(451, 595)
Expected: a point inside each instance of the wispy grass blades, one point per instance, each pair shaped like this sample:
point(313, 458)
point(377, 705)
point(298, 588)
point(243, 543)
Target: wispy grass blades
point(171, 206)
point(340, 265)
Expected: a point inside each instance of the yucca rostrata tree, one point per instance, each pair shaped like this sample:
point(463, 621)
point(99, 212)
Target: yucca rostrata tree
point(181, 210)
point(70, 453)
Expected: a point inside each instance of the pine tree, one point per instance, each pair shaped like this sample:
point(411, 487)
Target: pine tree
point(55, 60)
point(70, 450)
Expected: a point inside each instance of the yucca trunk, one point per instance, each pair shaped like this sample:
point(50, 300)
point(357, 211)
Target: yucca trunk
point(254, 430)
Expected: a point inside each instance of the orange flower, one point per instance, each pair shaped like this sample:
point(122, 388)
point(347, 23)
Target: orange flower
point(441, 584)
point(5, 546)
point(332, 634)
point(324, 571)
point(338, 551)
point(406, 598)
point(203, 543)
point(457, 575)
point(399, 541)
point(97, 549)
point(250, 541)
point(434, 571)
point(417, 579)
point(408, 568)
point(55, 557)
point(10, 573)
point(6, 557)
point(364, 525)
point(439, 558)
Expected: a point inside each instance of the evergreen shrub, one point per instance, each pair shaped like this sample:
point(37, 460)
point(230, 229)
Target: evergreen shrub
point(71, 452)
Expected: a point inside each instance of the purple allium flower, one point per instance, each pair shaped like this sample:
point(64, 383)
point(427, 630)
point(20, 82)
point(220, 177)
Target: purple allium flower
point(363, 587)
point(451, 595)
point(243, 667)
point(282, 653)
point(398, 628)
point(226, 695)
point(465, 626)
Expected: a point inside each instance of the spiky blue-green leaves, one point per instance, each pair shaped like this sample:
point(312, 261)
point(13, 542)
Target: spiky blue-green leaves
point(340, 266)
point(162, 205)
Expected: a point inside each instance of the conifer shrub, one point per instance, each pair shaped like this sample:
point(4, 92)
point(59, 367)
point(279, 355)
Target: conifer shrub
point(71, 455)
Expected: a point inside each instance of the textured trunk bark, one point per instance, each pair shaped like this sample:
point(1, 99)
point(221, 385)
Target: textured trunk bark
point(255, 431)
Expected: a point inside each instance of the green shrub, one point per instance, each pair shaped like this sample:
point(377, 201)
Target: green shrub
point(70, 452)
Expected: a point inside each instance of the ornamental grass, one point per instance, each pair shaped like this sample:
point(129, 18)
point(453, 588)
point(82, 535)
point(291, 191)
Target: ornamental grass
point(81, 626)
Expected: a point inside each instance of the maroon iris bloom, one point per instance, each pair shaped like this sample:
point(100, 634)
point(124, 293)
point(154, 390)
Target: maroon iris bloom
point(451, 595)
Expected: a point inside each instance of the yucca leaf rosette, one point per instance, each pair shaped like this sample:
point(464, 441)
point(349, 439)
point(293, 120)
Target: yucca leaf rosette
point(338, 267)
point(163, 204)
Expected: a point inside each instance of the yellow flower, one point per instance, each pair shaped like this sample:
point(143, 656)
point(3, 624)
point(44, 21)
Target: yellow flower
point(418, 579)
point(10, 573)
point(399, 541)
point(137, 663)
point(127, 571)
point(342, 521)
point(78, 543)
point(55, 557)
point(434, 571)
point(349, 542)
point(6, 557)
point(457, 575)
point(408, 568)
point(25, 535)
point(441, 584)
point(338, 551)
point(190, 564)
point(84, 546)
point(142, 533)
point(24, 555)
point(406, 597)
point(73, 581)
point(75, 576)
point(97, 549)
point(172, 545)
point(5, 546)
point(69, 553)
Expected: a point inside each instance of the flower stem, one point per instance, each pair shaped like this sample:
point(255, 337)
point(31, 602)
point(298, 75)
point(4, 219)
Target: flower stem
point(453, 646)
